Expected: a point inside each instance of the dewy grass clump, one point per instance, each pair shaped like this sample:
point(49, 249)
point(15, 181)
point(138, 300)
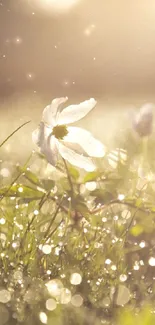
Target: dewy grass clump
point(77, 244)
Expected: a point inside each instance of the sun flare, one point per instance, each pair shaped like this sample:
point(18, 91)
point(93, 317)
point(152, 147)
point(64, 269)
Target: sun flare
point(55, 5)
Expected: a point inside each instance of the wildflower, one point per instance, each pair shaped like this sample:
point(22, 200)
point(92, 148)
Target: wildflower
point(143, 120)
point(55, 137)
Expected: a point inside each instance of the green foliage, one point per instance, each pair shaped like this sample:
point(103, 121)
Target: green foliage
point(146, 317)
point(92, 176)
point(78, 248)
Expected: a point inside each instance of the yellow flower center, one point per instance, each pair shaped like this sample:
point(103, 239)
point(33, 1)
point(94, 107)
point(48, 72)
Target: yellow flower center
point(60, 131)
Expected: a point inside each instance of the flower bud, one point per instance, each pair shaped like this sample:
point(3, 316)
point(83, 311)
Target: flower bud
point(143, 120)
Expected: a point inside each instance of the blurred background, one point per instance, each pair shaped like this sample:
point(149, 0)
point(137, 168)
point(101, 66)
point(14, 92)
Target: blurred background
point(79, 49)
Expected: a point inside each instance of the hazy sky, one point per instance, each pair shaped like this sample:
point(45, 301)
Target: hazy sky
point(97, 48)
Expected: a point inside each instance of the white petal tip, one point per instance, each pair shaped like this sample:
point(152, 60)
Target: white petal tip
point(93, 101)
point(59, 101)
point(101, 153)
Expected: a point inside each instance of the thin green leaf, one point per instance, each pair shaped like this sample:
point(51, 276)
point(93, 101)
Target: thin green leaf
point(16, 130)
point(20, 191)
point(92, 176)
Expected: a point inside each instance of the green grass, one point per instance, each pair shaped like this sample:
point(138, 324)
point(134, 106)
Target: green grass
point(91, 234)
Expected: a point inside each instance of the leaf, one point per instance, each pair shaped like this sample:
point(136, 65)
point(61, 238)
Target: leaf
point(64, 184)
point(30, 176)
point(28, 200)
point(79, 205)
point(136, 230)
point(126, 318)
point(95, 221)
point(146, 317)
point(102, 196)
point(73, 172)
point(132, 249)
point(47, 184)
point(138, 203)
point(20, 191)
point(82, 208)
point(92, 176)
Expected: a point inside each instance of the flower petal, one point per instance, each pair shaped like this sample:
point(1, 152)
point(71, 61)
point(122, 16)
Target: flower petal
point(35, 136)
point(51, 151)
point(147, 109)
point(51, 112)
point(75, 113)
point(39, 134)
point(91, 146)
point(75, 159)
point(47, 143)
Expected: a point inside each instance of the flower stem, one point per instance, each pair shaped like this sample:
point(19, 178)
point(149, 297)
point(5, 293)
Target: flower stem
point(69, 178)
point(117, 201)
point(51, 222)
point(15, 180)
point(143, 156)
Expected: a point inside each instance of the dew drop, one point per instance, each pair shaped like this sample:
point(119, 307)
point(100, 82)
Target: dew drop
point(123, 295)
point(77, 301)
point(46, 249)
point(5, 296)
point(108, 261)
point(121, 197)
point(20, 189)
point(2, 221)
point(152, 261)
point(54, 287)
point(75, 279)
point(18, 275)
point(48, 272)
point(113, 267)
point(123, 277)
point(43, 317)
point(51, 304)
point(142, 244)
point(36, 212)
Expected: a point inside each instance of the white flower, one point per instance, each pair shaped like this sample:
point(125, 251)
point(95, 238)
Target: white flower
point(54, 137)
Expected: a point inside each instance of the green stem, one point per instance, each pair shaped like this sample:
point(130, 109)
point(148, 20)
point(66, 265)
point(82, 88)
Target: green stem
point(144, 153)
point(124, 233)
point(55, 229)
point(15, 180)
point(69, 178)
point(16, 130)
point(52, 220)
point(131, 205)
point(145, 147)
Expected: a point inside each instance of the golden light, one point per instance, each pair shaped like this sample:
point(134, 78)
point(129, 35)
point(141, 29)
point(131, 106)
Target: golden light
point(54, 5)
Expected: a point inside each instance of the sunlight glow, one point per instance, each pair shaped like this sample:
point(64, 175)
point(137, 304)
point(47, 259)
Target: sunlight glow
point(55, 5)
